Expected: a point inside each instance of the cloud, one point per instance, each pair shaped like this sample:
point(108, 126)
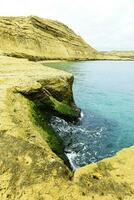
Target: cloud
point(104, 24)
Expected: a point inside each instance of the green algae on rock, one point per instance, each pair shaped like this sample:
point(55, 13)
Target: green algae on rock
point(25, 85)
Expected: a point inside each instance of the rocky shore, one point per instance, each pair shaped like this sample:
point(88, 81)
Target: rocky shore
point(31, 165)
point(32, 161)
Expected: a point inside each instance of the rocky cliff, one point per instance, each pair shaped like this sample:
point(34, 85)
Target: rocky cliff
point(39, 39)
point(31, 167)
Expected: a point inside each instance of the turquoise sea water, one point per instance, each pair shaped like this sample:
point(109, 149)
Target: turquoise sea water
point(104, 90)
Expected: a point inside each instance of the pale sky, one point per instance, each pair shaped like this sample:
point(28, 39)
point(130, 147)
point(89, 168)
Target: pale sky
point(104, 24)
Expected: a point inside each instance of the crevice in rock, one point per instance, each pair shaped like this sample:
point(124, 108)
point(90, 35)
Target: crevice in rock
point(45, 106)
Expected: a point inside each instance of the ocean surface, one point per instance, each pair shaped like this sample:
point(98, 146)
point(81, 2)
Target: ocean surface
point(104, 90)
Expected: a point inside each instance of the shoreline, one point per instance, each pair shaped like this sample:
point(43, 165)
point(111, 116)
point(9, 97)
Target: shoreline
point(24, 145)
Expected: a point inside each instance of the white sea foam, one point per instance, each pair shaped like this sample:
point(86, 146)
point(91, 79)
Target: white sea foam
point(81, 115)
point(71, 157)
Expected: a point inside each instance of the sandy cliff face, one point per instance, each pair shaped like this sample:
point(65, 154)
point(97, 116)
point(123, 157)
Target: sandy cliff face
point(36, 39)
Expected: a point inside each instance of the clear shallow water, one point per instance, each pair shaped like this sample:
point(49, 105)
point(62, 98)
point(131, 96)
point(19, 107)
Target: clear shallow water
point(104, 90)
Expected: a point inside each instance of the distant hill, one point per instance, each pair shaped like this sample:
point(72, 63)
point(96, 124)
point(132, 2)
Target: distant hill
point(128, 55)
point(40, 39)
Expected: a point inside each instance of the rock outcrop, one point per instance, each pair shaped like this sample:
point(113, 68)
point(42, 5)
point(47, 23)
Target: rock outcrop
point(39, 39)
point(29, 168)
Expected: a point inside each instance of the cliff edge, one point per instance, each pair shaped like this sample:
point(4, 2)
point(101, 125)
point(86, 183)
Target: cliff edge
point(31, 167)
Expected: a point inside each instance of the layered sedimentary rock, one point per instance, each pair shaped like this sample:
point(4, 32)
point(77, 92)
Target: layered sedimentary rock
point(30, 168)
point(39, 39)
